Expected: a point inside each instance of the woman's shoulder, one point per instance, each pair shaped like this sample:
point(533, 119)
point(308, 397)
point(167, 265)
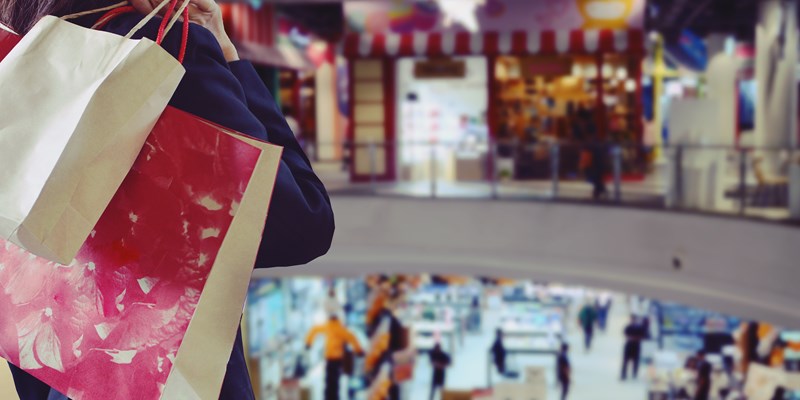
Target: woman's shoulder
point(200, 41)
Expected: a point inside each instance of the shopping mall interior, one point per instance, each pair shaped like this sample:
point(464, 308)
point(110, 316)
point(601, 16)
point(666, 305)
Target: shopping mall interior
point(506, 165)
point(534, 199)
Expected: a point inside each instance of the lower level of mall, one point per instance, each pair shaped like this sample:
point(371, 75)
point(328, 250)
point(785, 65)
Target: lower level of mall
point(677, 347)
point(596, 372)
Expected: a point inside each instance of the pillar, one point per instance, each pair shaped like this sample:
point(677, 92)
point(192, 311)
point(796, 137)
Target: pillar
point(327, 110)
point(776, 110)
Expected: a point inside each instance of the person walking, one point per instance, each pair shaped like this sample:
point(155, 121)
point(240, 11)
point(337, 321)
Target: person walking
point(219, 87)
point(586, 319)
point(475, 314)
point(337, 338)
point(499, 352)
point(703, 391)
point(597, 168)
point(564, 370)
point(634, 334)
point(603, 304)
point(440, 361)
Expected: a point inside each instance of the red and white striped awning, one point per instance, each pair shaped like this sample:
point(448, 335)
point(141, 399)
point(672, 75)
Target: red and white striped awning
point(495, 43)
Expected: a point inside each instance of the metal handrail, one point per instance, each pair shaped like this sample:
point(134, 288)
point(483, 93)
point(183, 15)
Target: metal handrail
point(737, 172)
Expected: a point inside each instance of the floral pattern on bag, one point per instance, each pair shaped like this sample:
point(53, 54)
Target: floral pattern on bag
point(110, 324)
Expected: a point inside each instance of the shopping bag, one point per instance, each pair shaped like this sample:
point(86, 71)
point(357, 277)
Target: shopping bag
point(8, 39)
point(348, 362)
point(77, 105)
point(150, 307)
point(762, 381)
point(202, 360)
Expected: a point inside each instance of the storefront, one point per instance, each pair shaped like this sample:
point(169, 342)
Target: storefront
point(297, 67)
point(543, 60)
point(442, 101)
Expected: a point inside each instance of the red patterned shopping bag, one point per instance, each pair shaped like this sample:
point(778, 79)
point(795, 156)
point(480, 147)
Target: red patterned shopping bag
point(150, 307)
point(8, 39)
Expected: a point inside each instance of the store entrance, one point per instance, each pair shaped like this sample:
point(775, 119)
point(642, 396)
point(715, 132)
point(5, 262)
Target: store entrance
point(441, 124)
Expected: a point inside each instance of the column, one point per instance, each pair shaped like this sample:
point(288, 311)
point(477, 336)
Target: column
point(776, 110)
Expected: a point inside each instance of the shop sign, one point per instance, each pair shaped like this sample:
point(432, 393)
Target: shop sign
point(409, 16)
point(546, 66)
point(440, 68)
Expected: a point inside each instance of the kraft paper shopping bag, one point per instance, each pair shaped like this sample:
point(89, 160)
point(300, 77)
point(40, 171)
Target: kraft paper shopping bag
point(202, 359)
point(76, 105)
point(149, 309)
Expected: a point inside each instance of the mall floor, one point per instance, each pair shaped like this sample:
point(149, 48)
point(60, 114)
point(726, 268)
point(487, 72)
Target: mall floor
point(595, 373)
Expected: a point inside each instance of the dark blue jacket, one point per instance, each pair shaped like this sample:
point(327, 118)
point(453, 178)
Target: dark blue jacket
point(300, 223)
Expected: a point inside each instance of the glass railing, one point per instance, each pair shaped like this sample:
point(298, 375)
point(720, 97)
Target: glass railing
point(750, 182)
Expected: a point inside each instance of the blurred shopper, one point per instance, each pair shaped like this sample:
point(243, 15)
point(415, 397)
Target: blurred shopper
point(749, 345)
point(499, 352)
point(218, 87)
point(603, 305)
point(331, 304)
point(440, 361)
point(646, 330)
point(337, 338)
point(475, 314)
point(564, 370)
point(634, 334)
point(703, 391)
point(779, 394)
point(586, 319)
point(597, 168)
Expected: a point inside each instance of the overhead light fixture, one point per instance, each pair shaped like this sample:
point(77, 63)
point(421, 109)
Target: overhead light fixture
point(608, 71)
point(590, 71)
point(630, 85)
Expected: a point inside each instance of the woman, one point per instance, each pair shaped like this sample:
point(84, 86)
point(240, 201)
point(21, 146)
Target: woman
point(218, 87)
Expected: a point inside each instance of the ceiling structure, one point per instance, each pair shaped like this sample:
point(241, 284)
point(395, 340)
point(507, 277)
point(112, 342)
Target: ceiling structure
point(703, 17)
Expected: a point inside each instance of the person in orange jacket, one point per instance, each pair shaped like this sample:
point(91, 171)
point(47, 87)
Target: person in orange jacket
point(337, 337)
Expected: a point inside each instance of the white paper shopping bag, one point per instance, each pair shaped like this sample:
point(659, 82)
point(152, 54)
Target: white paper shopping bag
point(76, 106)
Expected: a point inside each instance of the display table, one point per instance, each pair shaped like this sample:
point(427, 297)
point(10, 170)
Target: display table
point(516, 349)
point(470, 166)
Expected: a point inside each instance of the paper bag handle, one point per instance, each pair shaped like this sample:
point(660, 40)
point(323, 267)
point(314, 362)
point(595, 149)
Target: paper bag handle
point(163, 29)
point(123, 7)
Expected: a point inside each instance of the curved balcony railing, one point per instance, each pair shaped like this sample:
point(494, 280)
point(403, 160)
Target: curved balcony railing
point(754, 182)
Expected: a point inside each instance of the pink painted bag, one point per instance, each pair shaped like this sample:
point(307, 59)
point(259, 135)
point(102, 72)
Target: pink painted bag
point(150, 307)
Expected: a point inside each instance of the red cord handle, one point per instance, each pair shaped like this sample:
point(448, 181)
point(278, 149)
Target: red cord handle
point(165, 20)
point(110, 15)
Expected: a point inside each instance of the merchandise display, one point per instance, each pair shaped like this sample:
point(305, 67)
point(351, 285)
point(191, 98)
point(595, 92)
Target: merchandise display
point(542, 100)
